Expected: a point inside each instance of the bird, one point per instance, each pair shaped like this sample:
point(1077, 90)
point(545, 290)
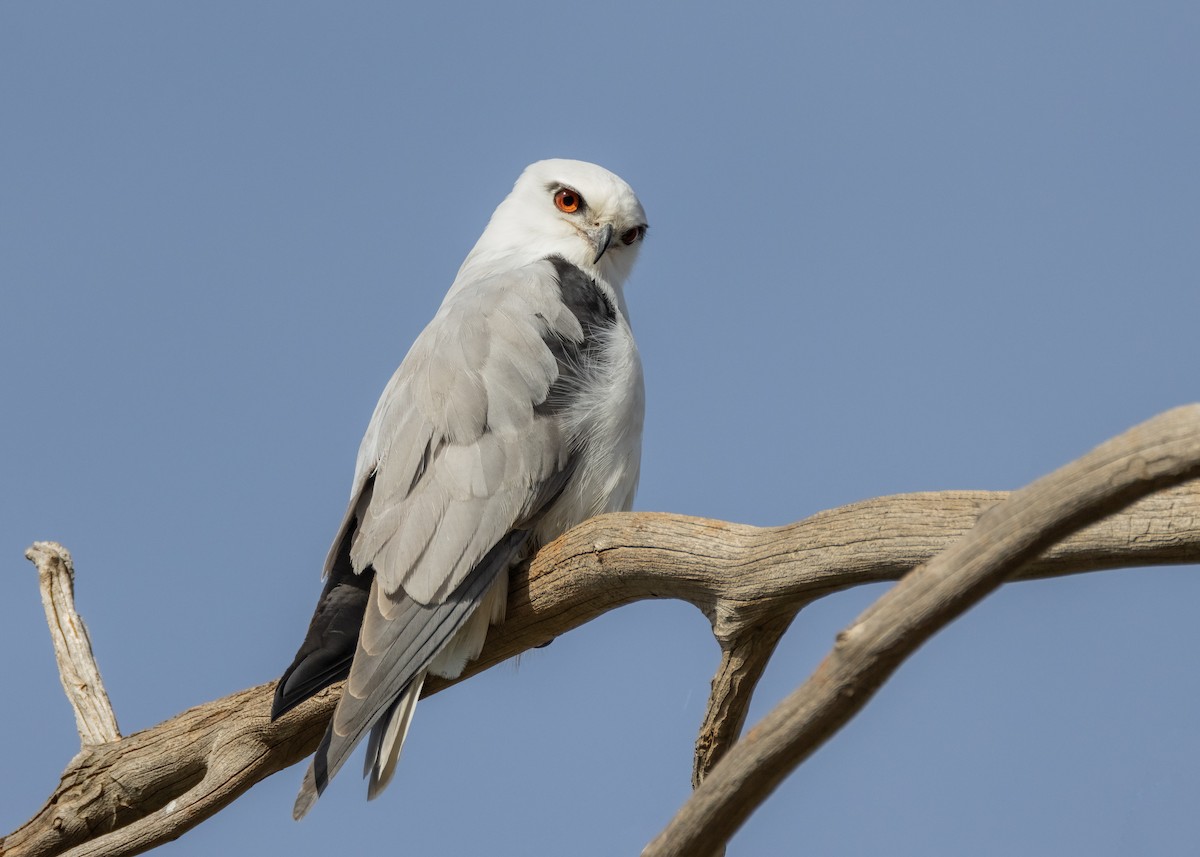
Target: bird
point(516, 414)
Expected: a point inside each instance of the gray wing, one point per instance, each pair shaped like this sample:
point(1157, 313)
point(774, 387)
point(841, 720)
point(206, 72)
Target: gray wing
point(455, 448)
point(459, 460)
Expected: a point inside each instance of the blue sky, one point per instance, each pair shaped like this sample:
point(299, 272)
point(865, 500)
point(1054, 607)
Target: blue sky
point(894, 247)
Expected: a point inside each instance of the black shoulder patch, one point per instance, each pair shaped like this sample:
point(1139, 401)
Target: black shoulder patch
point(592, 308)
point(582, 296)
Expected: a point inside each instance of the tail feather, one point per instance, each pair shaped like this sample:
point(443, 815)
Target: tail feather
point(387, 738)
point(398, 649)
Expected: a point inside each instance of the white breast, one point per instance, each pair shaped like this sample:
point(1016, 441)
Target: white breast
point(605, 419)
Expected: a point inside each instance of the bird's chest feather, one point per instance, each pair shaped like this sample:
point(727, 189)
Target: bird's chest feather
point(602, 416)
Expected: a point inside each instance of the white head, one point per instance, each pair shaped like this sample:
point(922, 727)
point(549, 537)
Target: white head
point(572, 209)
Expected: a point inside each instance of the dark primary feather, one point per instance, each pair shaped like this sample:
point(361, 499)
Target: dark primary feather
point(328, 648)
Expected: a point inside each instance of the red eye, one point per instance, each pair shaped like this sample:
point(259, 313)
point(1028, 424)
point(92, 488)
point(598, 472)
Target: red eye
point(568, 201)
point(632, 235)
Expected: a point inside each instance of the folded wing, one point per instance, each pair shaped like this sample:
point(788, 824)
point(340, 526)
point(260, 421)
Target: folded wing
point(463, 455)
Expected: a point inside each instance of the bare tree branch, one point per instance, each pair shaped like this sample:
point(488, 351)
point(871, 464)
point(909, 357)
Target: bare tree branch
point(1162, 451)
point(743, 661)
point(77, 668)
point(128, 795)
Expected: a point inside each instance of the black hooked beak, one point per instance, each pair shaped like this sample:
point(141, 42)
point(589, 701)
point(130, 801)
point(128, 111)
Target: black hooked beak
point(602, 239)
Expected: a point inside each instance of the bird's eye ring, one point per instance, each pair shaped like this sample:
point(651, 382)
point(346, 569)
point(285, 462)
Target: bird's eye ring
point(629, 236)
point(568, 201)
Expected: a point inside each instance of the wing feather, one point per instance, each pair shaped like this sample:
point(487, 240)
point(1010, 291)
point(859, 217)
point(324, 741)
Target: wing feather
point(468, 389)
point(463, 454)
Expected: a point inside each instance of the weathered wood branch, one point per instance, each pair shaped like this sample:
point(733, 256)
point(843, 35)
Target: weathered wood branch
point(94, 717)
point(1160, 452)
point(128, 795)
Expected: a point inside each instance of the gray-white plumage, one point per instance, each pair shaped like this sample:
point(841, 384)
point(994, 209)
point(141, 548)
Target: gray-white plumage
point(516, 414)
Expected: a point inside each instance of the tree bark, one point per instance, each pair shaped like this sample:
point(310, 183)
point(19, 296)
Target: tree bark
point(127, 795)
point(1162, 451)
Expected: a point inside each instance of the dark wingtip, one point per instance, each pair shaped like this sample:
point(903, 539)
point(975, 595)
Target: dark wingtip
point(328, 648)
point(309, 674)
point(280, 705)
point(277, 709)
point(288, 692)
